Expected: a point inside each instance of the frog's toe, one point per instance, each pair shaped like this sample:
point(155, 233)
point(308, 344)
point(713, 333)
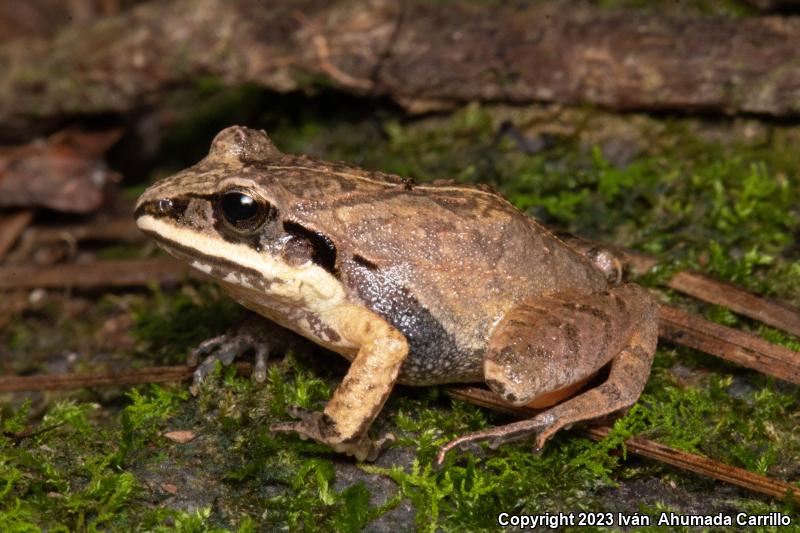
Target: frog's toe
point(363, 448)
point(311, 424)
point(222, 349)
point(206, 347)
point(497, 436)
point(543, 436)
point(289, 427)
point(460, 442)
point(321, 428)
point(377, 446)
point(386, 440)
point(260, 365)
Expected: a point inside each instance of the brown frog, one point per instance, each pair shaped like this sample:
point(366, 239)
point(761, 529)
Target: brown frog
point(413, 283)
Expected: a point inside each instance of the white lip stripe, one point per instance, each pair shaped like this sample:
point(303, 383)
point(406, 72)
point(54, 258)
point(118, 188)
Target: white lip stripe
point(309, 286)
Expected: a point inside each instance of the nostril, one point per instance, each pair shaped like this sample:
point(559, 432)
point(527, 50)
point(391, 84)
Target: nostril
point(164, 206)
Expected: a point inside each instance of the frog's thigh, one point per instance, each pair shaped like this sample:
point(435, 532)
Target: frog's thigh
point(626, 379)
point(360, 396)
point(548, 344)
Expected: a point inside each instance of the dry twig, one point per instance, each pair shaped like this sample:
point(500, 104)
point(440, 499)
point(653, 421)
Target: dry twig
point(113, 378)
point(705, 288)
point(113, 230)
point(727, 343)
point(95, 275)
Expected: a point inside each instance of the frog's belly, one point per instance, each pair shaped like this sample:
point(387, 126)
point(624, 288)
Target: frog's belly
point(435, 354)
point(431, 363)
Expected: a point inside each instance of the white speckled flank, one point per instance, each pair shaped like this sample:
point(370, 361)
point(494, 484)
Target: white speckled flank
point(202, 267)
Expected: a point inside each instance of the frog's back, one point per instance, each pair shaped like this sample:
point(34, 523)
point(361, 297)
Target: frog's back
point(440, 227)
point(443, 262)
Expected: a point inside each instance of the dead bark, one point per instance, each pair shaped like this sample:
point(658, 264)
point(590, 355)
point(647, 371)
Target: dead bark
point(422, 55)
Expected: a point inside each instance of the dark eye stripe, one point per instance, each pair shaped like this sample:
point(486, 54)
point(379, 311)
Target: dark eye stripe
point(324, 249)
point(165, 207)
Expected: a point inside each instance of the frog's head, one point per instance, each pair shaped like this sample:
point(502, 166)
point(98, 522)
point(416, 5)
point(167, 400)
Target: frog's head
point(228, 217)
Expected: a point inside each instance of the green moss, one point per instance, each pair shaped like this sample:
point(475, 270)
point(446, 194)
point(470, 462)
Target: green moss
point(67, 474)
point(312, 505)
point(301, 473)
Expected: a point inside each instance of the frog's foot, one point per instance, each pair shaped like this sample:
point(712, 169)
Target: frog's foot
point(223, 349)
point(321, 428)
point(498, 436)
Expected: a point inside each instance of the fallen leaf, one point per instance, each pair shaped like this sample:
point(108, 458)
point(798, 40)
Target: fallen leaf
point(182, 436)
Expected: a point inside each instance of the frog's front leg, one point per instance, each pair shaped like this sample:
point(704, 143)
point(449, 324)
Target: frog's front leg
point(360, 396)
point(549, 345)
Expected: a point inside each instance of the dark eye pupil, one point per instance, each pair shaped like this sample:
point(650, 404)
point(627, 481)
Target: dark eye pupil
point(239, 207)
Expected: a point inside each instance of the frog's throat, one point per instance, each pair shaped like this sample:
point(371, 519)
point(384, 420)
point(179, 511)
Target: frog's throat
point(308, 286)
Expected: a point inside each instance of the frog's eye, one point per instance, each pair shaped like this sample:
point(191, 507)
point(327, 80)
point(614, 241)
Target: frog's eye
point(243, 211)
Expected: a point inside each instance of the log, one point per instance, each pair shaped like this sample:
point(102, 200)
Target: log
point(422, 55)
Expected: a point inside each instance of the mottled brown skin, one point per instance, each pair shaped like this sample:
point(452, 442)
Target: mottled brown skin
point(432, 283)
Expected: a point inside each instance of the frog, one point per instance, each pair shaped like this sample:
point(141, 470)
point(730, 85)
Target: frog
point(414, 283)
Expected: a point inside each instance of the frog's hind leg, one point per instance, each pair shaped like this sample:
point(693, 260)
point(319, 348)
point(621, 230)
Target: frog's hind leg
point(551, 345)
